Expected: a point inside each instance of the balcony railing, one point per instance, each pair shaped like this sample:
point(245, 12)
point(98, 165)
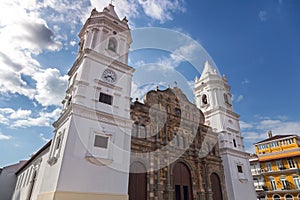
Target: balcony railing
point(280, 170)
point(256, 171)
point(259, 187)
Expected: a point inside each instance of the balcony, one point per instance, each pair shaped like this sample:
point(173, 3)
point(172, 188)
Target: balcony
point(257, 171)
point(259, 187)
point(281, 170)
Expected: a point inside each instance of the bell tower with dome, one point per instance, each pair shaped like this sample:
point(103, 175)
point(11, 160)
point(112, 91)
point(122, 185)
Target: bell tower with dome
point(213, 97)
point(90, 152)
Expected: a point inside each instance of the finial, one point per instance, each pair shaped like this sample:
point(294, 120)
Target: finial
point(156, 87)
point(94, 11)
point(111, 2)
point(270, 134)
point(175, 84)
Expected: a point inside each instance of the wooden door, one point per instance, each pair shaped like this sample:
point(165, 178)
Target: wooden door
point(216, 187)
point(182, 182)
point(137, 189)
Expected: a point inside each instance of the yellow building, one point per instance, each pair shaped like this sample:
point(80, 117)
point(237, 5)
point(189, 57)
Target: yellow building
point(279, 158)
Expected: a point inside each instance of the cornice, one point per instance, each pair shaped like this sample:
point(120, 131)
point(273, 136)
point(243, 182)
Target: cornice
point(100, 58)
point(108, 118)
point(234, 152)
point(220, 109)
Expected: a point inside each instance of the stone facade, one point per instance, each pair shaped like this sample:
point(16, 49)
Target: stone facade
point(168, 129)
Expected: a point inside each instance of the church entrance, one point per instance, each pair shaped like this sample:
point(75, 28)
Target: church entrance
point(216, 187)
point(182, 182)
point(137, 188)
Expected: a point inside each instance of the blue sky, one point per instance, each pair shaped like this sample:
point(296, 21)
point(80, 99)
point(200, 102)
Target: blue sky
point(256, 44)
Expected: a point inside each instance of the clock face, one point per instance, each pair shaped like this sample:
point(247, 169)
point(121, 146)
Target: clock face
point(109, 76)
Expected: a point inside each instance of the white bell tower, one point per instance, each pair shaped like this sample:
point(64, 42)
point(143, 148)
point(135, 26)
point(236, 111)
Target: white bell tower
point(90, 151)
point(212, 96)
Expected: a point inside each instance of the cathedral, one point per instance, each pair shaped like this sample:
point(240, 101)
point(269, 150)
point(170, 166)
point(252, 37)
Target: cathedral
point(108, 146)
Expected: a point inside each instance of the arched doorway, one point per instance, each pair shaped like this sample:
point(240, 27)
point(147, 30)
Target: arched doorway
point(216, 187)
point(137, 188)
point(182, 182)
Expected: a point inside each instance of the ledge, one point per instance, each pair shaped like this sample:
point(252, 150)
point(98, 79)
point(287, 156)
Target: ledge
point(98, 161)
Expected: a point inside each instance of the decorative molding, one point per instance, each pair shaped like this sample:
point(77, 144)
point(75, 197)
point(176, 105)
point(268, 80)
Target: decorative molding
point(106, 84)
point(98, 161)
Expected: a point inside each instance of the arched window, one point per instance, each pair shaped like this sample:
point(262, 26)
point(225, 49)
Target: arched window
point(276, 197)
point(112, 44)
point(180, 142)
point(298, 196)
point(226, 98)
point(142, 131)
point(204, 99)
point(288, 197)
point(95, 38)
point(134, 130)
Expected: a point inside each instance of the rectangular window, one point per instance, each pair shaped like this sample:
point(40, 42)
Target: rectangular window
point(142, 131)
point(25, 177)
point(297, 182)
point(291, 163)
point(269, 166)
point(273, 184)
point(105, 98)
point(240, 169)
point(177, 192)
point(274, 144)
point(58, 142)
point(285, 184)
point(101, 141)
point(186, 192)
point(279, 165)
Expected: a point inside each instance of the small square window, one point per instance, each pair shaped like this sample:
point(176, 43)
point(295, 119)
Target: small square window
point(105, 98)
point(240, 169)
point(177, 111)
point(101, 141)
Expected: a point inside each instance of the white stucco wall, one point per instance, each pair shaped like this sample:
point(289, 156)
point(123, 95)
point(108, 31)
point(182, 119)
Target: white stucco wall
point(8, 180)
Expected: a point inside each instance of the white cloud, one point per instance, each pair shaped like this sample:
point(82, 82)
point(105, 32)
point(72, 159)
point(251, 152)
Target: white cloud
point(23, 36)
point(44, 119)
point(3, 120)
point(240, 98)
point(128, 8)
point(23, 118)
point(73, 43)
point(185, 52)
point(50, 87)
point(44, 138)
point(4, 137)
point(20, 114)
point(237, 99)
point(191, 83)
point(256, 131)
point(4, 115)
point(27, 34)
point(139, 91)
point(161, 10)
point(245, 125)
point(263, 15)
point(245, 81)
